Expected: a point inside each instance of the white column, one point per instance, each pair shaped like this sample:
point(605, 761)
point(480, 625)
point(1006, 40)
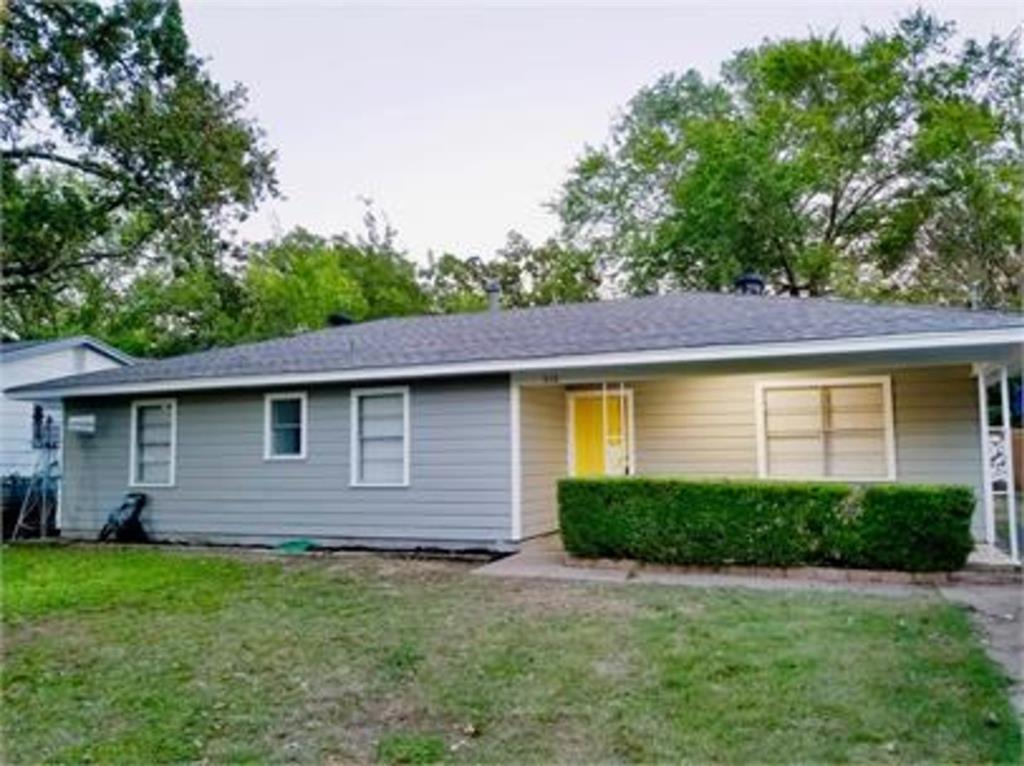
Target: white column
point(515, 427)
point(1011, 489)
point(986, 466)
point(604, 426)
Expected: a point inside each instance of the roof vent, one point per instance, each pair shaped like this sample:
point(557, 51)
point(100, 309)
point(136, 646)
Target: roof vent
point(339, 319)
point(750, 283)
point(493, 290)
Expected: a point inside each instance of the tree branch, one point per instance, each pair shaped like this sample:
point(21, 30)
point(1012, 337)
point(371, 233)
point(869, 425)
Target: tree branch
point(86, 166)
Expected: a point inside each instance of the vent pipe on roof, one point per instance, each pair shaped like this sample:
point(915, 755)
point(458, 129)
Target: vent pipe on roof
point(493, 290)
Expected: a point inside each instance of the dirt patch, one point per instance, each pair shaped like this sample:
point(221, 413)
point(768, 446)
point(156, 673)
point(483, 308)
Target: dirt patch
point(343, 723)
point(65, 631)
point(533, 599)
point(395, 568)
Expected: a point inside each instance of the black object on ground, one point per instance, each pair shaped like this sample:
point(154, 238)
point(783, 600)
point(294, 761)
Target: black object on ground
point(124, 524)
point(14, 489)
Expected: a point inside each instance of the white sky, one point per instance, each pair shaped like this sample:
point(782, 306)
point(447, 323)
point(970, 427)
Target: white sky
point(461, 120)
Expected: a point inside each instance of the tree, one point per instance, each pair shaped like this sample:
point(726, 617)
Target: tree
point(157, 313)
point(295, 283)
point(527, 275)
point(824, 165)
point(385, 274)
point(118, 148)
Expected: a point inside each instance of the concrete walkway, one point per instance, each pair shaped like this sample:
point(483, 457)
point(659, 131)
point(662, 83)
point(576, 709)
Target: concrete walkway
point(544, 558)
point(995, 609)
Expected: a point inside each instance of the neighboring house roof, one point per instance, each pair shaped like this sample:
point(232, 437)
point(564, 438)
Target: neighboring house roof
point(22, 349)
point(703, 325)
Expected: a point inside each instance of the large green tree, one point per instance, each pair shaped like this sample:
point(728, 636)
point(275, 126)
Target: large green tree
point(885, 166)
point(528, 275)
point(290, 284)
point(118, 150)
point(158, 312)
point(296, 283)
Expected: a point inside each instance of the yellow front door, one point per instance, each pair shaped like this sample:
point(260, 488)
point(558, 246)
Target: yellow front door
point(597, 451)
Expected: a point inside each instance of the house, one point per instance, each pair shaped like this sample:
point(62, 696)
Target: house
point(452, 431)
point(28, 362)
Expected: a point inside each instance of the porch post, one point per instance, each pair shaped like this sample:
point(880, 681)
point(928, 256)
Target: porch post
point(1011, 489)
point(986, 467)
point(516, 452)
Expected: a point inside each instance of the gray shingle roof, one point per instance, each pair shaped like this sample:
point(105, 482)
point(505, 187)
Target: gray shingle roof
point(11, 346)
point(685, 320)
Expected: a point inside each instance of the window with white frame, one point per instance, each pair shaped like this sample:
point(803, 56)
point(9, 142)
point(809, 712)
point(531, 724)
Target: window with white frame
point(285, 418)
point(154, 433)
point(826, 429)
point(380, 437)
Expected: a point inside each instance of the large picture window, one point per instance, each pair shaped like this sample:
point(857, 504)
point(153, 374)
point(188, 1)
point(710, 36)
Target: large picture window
point(154, 435)
point(380, 437)
point(285, 426)
point(826, 429)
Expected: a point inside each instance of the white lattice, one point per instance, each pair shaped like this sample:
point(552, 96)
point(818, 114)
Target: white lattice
point(998, 458)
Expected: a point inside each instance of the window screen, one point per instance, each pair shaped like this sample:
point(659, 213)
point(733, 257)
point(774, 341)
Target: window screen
point(826, 431)
point(154, 443)
point(380, 438)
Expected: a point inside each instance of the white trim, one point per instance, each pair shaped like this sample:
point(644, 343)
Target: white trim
point(60, 462)
point(133, 439)
point(915, 341)
point(62, 344)
point(888, 422)
point(354, 446)
point(570, 423)
point(268, 441)
point(1011, 488)
point(515, 422)
point(986, 469)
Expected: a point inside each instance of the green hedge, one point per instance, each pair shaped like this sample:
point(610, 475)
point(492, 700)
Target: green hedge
point(915, 528)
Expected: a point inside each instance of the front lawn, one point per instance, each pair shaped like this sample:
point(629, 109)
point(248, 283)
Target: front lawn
point(146, 656)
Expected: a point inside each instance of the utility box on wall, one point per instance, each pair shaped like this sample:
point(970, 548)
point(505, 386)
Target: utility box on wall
point(82, 424)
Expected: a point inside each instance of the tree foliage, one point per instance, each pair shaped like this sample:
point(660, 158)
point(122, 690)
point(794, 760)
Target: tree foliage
point(117, 147)
point(889, 166)
point(528, 275)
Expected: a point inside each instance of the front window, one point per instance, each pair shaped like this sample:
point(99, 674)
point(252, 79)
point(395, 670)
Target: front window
point(833, 429)
point(380, 437)
point(153, 443)
point(285, 436)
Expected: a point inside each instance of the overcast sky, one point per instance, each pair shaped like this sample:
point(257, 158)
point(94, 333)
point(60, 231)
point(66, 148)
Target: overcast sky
point(461, 120)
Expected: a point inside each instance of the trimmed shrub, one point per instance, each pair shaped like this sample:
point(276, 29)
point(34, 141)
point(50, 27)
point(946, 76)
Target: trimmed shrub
point(759, 523)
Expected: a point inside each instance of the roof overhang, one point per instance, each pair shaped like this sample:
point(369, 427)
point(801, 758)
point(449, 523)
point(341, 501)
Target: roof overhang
point(986, 343)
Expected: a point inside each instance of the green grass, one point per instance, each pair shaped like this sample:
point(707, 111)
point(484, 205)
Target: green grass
point(158, 656)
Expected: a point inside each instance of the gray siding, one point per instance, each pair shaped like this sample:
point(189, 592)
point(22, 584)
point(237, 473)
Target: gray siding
point(544, 456)
point(460, 471)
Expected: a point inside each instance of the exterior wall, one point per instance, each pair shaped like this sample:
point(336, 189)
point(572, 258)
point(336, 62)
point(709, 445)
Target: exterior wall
point(458, 494)
point(544, 456)
point(16, 453)
point(704, 425)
